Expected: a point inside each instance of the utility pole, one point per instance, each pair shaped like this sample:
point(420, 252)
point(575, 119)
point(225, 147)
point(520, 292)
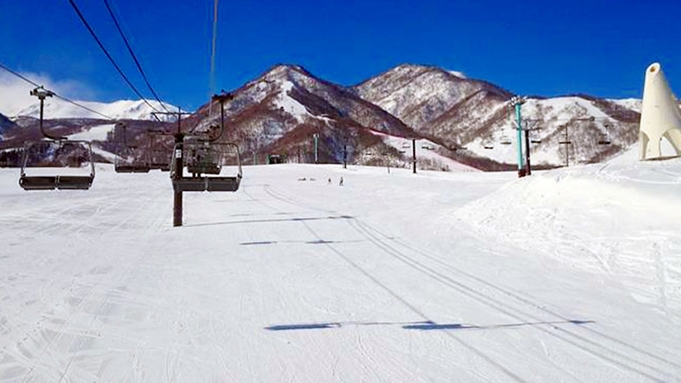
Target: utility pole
point(413, 153)
point(255, 150)
point(566, 142)
point(345, 156)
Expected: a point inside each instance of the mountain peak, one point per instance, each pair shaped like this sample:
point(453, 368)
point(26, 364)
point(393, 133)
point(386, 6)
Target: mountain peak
point(286, 71)
point(418, 94)
point(412, 70)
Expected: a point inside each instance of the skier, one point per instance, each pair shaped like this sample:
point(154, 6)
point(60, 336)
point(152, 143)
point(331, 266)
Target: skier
point(341, 182)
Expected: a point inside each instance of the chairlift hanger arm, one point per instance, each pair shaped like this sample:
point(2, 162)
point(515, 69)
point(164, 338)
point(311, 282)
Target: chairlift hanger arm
point(177, 114)
point(221, 98)
point(42, 94)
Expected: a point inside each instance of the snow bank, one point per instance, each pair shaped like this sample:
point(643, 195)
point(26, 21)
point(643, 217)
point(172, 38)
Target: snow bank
point(619, 218)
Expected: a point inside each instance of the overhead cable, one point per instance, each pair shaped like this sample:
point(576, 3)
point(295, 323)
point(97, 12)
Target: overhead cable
point(108, 55)
point(56, 95)
point(212, 58)
point(132, 53)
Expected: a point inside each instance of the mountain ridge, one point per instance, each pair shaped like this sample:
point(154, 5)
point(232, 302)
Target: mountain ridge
point(55, 108)
point(462, 118)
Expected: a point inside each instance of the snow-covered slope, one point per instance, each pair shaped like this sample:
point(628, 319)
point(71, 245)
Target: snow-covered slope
point(391, 277)
point(427, 155)
point(460, 112)
point(629, 103)
point(583, 122)
point(94, 133)
point(120, 110)
point(616, 220)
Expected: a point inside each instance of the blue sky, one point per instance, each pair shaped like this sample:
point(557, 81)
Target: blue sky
point(543, 48)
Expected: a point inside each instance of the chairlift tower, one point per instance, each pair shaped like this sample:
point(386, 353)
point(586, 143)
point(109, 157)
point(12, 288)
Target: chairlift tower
point(210, 163)
point(528, 126)
point(178, 161)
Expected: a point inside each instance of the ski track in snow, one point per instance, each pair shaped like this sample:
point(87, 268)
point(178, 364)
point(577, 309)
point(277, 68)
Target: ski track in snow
point(303, 281)
point(608, 353)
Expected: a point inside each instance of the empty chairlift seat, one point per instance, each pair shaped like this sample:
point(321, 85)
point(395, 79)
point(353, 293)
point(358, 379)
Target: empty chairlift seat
point(206, 163)
point(56, 182)
point(211, 184)
point(62, 164)
point(132, 160)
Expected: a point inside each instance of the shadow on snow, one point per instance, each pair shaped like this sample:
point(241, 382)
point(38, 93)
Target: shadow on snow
point(295, 219)
point(422, 326)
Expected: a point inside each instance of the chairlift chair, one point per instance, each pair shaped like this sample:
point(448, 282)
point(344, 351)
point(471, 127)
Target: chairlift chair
point(51, 164)
point(207, 169)
point(604, 139)
point(204, 159)
point(159, 157)
point(129, 160)
point(49, 159)
point(505, 140)
point(160, 160)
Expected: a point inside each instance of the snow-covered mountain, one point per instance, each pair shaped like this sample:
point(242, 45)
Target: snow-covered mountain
point(450, 114)
point(420, 94)
point(460, 112)
point(594, 129)
point(280, 111)
point(120, 110)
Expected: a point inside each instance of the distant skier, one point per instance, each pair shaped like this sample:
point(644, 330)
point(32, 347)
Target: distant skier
point(341, 182)
point(329, 182)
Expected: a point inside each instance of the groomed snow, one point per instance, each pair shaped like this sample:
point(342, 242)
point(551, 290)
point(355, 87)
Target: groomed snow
point(388, 278)
point(615, 219)
point(290, 105)
point(94, 133)
point(425, 150)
